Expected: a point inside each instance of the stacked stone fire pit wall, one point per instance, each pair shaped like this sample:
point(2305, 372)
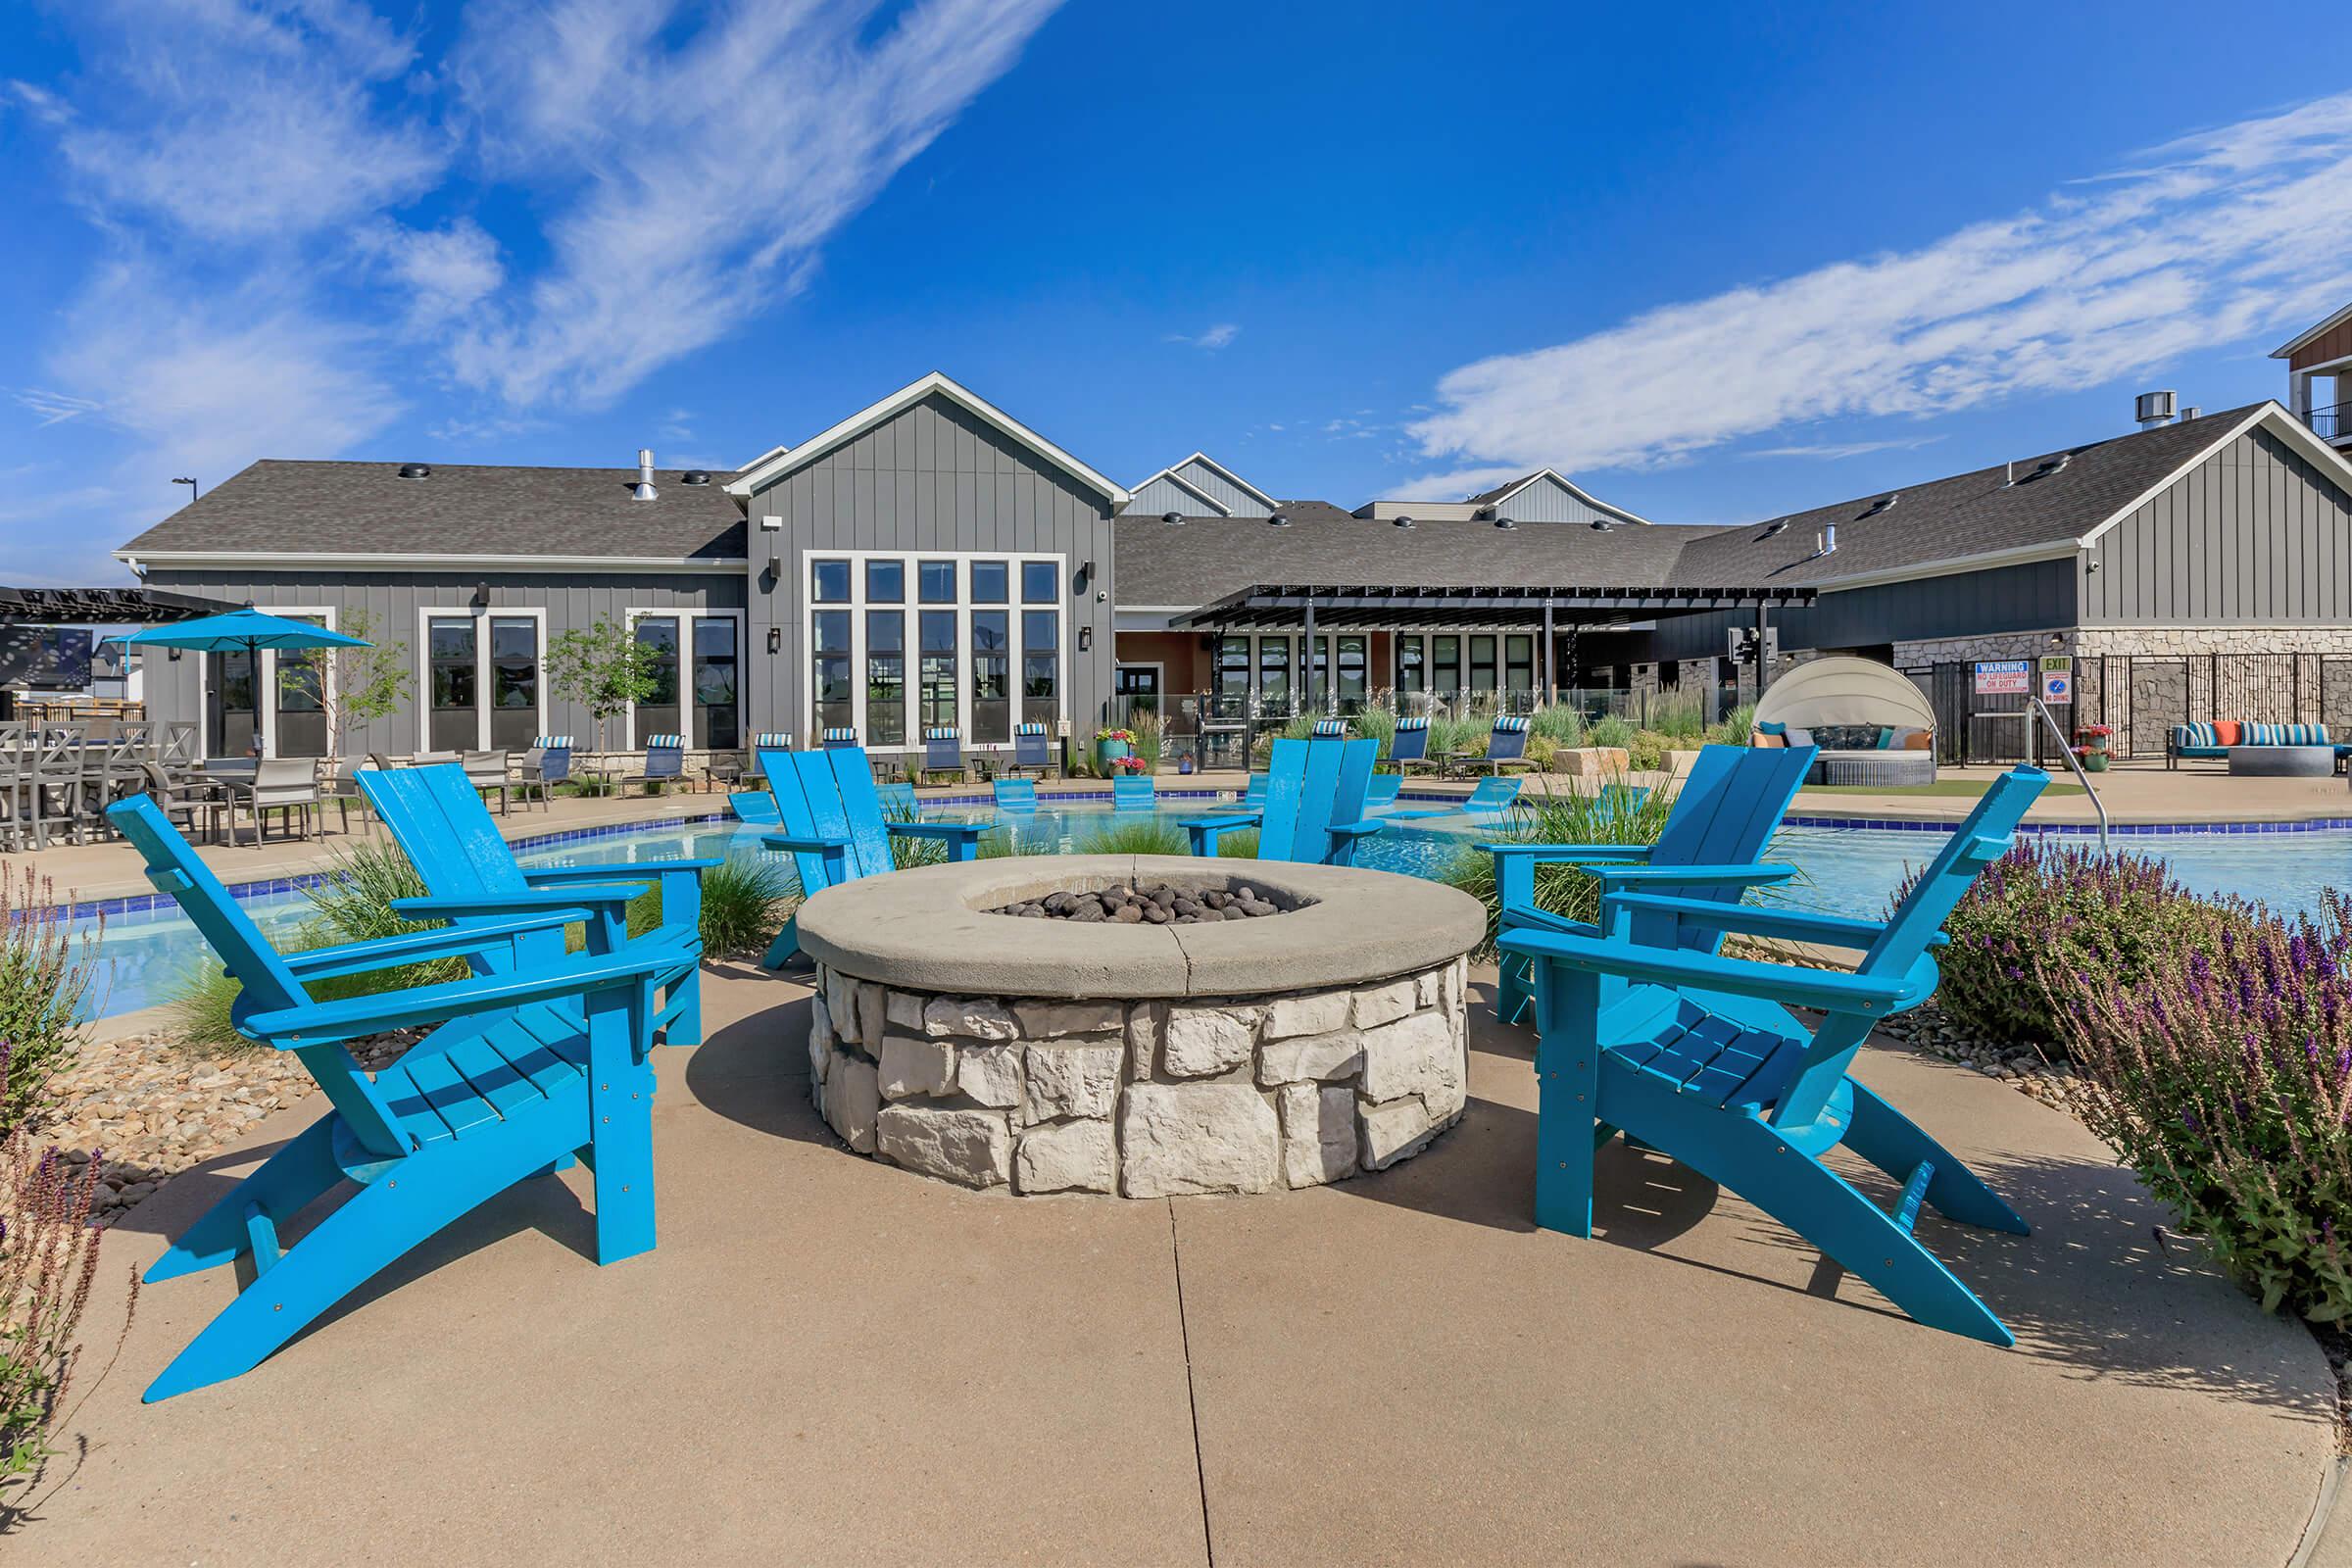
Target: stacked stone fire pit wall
point(1151, 1088)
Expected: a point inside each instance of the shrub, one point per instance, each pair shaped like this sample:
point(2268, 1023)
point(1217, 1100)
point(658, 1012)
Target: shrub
point(2048, 907)
point(2223, 1076)
point(45, 976)
point(1377, 724)
point(1613, 729)
point(1646, 751)
point(48, 1263)
point(1143, 836)
point(1564, 819)
point(1150, 732)
point(1241, 845)
point(745, 904)
point(1737, 727)
point(1561, 725)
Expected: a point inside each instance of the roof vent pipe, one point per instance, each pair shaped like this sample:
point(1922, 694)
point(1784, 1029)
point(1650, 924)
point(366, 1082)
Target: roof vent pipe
point(2152, 409)
point(2190, 412)
point(1828, 539)
point(644, 490)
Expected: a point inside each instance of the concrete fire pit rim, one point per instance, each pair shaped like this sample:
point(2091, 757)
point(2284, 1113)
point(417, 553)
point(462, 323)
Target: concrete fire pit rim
point(933, 929)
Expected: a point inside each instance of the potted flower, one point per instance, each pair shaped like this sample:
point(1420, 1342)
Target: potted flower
point(1111, 745)
point(2092, 749)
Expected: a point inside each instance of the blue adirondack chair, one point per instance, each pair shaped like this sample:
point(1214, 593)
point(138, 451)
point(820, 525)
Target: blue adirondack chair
point(1695, 1056)
point(835, 827)
point(898, 802)
point(1254, 795)
point(1134, 791)
point(1411, 749)
point(1725, 813)
point(1488, 800)
point(1506, 747)
point(1032, 750)
point(1314, 808)
point(441, 826)
point(526, 1067)
point(1016, 794)
point(943, 753)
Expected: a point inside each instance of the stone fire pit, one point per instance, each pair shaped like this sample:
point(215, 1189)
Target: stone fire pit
point(1145, 1060)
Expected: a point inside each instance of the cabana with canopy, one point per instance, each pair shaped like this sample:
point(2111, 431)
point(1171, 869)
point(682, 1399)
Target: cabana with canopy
point(1872, 723)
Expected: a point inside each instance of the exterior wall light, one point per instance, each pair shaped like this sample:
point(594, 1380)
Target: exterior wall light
point(775, 639)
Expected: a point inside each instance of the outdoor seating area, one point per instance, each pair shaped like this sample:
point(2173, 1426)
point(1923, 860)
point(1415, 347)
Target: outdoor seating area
point(1869, 725)
point(2260, 751)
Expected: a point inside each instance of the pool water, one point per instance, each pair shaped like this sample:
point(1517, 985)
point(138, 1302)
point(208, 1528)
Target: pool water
point(145, 956)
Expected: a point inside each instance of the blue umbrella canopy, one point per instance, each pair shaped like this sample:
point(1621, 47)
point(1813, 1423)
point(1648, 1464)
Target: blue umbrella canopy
point(246, 631)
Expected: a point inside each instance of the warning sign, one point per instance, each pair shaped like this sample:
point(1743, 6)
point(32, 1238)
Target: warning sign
point(2004, 677)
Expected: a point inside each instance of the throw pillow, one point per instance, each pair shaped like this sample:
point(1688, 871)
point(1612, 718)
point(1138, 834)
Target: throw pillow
point(1885, 738)
point(1797, 737)
point(1769, 726)
point(2226, 732)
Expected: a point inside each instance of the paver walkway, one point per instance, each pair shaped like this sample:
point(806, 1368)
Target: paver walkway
point(832, 1361)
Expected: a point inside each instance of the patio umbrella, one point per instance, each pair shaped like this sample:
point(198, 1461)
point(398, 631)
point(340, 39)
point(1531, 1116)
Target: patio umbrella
point(248, 631)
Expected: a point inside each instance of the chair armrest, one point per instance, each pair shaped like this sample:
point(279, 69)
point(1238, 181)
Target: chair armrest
point(802, 845)
point(1231, 819)
point(320, 1023)
point(610, 873)
point(583, 901)
point(1571, 852)
point(1691, 876)
point(1828, 990)
point(1798, 925)
point(939, 830)
point(414, 947)
point(1357, 830)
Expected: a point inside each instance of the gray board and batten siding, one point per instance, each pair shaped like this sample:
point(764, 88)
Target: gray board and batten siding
point(2033, 596)
point(393, 601)
point(1548, 501)
point(2255, 535)
point(934, 476)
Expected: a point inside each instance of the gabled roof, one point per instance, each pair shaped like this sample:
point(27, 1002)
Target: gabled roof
point(1209, 506)
point(2059, 502)
point(781, 462)
point(1503, 492)
point(462, 514)
point(2303, 337)
point(1174, 472)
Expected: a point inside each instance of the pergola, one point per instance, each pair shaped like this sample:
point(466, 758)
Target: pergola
point(104, 606)
point(1529, 605)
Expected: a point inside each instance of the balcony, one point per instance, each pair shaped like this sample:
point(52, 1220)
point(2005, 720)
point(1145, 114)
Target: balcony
point(2332, 423)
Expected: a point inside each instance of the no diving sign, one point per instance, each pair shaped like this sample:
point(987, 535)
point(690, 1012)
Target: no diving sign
point(2058, 680)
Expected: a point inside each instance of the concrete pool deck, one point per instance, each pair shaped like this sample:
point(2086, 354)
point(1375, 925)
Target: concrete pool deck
point(830, 1360)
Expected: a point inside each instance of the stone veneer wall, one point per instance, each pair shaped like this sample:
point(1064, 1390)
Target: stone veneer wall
point(1147, 1099)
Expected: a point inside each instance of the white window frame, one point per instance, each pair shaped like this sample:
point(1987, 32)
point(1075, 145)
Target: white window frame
point(426, 616)
point(1017, 650)
point(265, 685)
point(685, 616)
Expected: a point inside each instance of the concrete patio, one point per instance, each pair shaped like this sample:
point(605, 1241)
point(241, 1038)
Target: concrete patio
point(830, 1360)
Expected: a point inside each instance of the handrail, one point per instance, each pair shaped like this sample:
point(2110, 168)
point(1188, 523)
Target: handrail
point(2066, 750)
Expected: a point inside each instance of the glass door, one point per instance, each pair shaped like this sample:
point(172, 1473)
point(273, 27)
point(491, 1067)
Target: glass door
point(299, 727)
point(886, 677)
point(658, 714)
point(717, 725)
point(992, 670)
point(513, 682)
point(229, 720)
point(453, 723)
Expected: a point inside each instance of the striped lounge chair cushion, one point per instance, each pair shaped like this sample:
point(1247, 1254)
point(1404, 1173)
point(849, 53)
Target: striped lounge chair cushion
point(1412, 724)
point(774, 739)
point(1518, 726)
point(841, 736)
point(663, 743)
point(1029, 729)
point(940, 732)
point(2285, 734)
point(2196, 735)
point(552, 743)
point(1331, 726)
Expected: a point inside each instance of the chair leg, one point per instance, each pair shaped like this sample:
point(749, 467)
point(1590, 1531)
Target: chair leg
point(287, 1179)
point(787, 944)
point(1568, 1105)
point(1892, 1141)
point(380, 1223)
point(1749, 1157)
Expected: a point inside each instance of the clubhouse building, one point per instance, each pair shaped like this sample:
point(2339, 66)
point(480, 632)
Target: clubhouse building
point(931, 561)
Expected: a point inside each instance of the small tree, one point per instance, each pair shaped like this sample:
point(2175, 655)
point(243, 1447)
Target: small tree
point(603, 668)
point(355, 686)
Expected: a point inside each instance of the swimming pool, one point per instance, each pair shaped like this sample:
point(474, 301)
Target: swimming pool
point(1848, 870)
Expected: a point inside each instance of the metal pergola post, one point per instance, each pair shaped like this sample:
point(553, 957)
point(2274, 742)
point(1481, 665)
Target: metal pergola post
point(1551, 674)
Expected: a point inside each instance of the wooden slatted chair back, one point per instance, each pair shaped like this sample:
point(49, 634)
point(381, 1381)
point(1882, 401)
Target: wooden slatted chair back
point(267, 985)
point(1311, 786)
point(438, 819)
point(830, 794)
point(1983, 838)
point(1724, 814)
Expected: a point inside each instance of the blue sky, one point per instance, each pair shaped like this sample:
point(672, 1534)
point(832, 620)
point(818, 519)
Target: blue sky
point(1715, 264)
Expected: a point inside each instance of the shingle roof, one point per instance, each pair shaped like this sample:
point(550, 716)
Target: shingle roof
point(1503, 489)
point(288, 507)
point(1964, 515)
point(1210, 557)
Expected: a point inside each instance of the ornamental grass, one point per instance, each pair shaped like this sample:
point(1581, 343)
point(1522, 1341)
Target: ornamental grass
point(2224, 1077)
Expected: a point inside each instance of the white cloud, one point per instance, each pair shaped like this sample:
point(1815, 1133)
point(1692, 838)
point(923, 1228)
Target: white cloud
point(1832, 451)
point(56, 408)
point(445, 272)
point(2211, 239)
point(1212, 339)
point(706, 171)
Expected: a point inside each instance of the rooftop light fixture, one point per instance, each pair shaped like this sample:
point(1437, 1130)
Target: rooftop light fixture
point(1174, 520)
point(1280, 520)
point(1506, 522)
point(1403, 522)
point(416, 470)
